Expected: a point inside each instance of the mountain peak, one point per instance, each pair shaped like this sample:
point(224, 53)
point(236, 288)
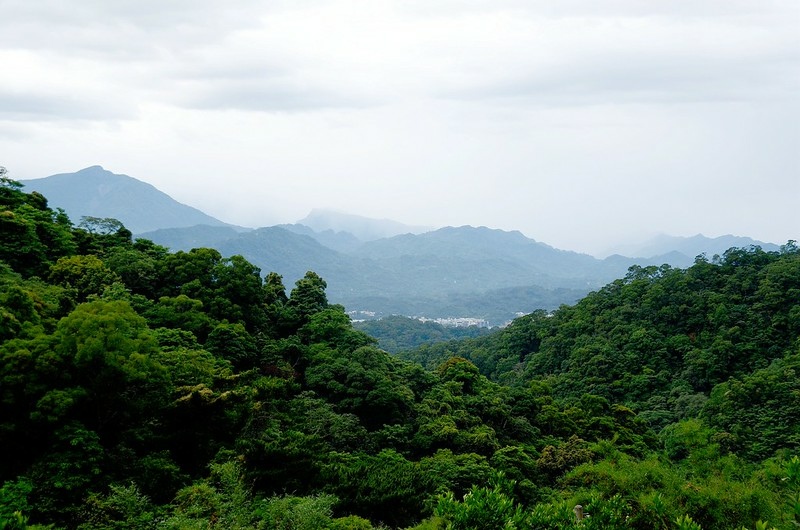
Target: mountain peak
point(94, 191)
point(94, 169)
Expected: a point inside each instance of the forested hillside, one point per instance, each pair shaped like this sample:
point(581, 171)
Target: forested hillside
point(141, 388)
point(661, 340)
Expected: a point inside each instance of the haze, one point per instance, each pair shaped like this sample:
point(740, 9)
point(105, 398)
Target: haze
point(583, 124)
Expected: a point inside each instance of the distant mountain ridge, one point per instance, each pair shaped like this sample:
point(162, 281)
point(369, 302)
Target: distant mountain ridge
point(340, 241)
point(187, 238)
point(363, 228)
point(692, 246)
point(453, 271)
point(450, 272)
point(96, 192)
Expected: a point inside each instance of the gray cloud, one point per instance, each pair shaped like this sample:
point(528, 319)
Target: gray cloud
point(646, 78)
point(120, 29)
point(30, 107)
point(264, 95)
point(192, 53)
point(684, 9)
point(253, 83)
point(578, 53)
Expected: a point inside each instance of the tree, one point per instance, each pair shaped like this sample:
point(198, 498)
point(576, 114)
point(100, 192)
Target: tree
point(308, 297)
point(106, 348)
point(234, 343)
point(87, 275)
point(100, 225)
point(384, 487)
point(32, 236)
point(74, 466)
point(136, 267)
point(11, 193)
point(363, 382)
point(332, 327)
point(180, 312)
point(484, 508)
point(97, 235)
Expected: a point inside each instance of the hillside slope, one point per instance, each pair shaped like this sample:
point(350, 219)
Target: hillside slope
point(659, 339)
point(96, 192)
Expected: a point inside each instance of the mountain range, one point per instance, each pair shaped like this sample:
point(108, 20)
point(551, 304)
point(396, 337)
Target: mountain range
point(378, 267)
point(692, 246)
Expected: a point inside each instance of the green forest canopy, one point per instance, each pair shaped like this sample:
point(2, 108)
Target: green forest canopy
point(141, 388)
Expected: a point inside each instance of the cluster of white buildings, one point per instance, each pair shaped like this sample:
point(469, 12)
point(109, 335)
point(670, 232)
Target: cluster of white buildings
point(457, 322)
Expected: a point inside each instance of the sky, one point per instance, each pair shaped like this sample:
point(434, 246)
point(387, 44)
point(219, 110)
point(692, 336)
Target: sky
point(584, 124)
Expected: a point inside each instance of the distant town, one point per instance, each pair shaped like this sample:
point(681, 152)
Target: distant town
point(449, 322)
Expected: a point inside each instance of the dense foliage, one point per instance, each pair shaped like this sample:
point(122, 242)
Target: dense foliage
point(661, 339)
point(141, 388)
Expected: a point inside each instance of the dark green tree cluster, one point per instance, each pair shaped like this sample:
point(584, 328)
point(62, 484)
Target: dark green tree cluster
point(141, 388)
point(707, 357)
point(660, 339)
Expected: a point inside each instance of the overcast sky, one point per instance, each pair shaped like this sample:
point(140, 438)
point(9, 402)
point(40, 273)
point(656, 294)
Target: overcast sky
point(581, 123)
